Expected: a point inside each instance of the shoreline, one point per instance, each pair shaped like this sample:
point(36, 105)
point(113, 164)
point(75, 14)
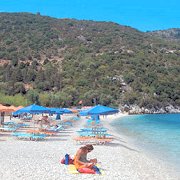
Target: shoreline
point(29, 160)
point(167, 168)
point(145, 150)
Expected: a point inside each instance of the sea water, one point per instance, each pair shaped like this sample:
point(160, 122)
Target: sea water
point(158, 134)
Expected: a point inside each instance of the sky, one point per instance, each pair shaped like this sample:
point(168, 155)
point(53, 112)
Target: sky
point(144, 15)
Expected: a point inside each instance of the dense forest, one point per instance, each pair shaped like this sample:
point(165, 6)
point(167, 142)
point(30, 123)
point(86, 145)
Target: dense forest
point(59, 62)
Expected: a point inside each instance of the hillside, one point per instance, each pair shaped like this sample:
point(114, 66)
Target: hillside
point(58, 62)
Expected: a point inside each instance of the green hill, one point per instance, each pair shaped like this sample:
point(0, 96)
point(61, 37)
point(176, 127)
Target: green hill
point(58, 62)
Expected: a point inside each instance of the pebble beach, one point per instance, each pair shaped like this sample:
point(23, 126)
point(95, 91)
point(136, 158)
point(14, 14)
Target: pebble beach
point(120, 159)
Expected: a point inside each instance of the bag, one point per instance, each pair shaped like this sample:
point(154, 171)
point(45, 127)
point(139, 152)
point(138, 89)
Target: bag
point(70, 160)
point(66, 159)
point(63, 161)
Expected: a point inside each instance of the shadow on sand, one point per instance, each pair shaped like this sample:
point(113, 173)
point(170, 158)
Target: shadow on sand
point(124, 146)
point(55, 139)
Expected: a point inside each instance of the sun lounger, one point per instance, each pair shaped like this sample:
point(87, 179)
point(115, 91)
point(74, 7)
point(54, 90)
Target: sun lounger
point(86, 134)
point(11, 126)
point(38, 132)
point(19, 125)
point(23, 136)
point(38, 137)
point(54, 129)
point(67, 123)
point(76, 118)
point(29, 136)
point(9, 123)
point(93, 132)
point(8, 129)
point(57, 129)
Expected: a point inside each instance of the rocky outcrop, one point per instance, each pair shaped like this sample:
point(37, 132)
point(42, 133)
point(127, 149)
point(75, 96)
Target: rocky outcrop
point(170, 34)
point(135, 109)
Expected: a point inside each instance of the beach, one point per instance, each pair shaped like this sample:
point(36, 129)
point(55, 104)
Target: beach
point(29, 160)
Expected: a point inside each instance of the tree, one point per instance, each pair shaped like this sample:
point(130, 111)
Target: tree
point(33, 96)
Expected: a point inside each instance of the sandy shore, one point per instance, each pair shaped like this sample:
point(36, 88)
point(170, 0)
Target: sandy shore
point(29, 160)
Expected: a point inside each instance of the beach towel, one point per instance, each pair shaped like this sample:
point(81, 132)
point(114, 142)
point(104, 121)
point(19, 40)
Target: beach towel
point(72, 169)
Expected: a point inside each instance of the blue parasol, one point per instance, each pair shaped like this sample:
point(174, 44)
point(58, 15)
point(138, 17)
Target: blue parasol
point(99, 110)
point(59, 112)
point(32, 109)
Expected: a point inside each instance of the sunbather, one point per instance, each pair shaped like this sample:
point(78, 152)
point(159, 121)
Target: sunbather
point(44, 121)
point(81, 162)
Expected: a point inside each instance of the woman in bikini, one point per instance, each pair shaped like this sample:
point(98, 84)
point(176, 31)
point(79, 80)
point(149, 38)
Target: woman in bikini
point(81, 162)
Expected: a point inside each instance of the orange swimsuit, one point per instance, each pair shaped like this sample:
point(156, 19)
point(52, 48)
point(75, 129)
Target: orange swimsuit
point(79, 165)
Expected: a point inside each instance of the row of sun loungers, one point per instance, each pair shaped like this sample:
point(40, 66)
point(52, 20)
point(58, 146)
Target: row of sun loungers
point(93, 132)
point(93, 135)
point(8, 129)
point(31, 132)
point(35, 134)
point(11, 126)
point(29, 136)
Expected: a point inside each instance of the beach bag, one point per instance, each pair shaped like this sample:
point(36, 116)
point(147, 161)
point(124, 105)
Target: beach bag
point(67, 160)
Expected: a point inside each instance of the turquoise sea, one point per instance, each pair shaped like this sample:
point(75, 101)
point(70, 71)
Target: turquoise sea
point(158, 134)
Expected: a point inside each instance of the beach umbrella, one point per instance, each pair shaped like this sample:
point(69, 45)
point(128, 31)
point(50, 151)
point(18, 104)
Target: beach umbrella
point(95, 117)
point(59, 112)
point(32, 109)
point(6, 108)
point(3, 110)
point(84, 112)
point(56, 110)
point(99, 110)
point(67, 111)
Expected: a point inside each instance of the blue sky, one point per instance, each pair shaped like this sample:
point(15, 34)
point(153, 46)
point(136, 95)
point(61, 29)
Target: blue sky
point(145, 15)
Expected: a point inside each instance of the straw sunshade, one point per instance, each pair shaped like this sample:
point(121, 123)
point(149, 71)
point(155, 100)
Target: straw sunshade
point(9, 108)
point(6, 108)
point(3, 110)
point(17, 108)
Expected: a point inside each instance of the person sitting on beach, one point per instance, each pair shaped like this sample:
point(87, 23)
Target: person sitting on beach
point(82, 164)
point(44, 121)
